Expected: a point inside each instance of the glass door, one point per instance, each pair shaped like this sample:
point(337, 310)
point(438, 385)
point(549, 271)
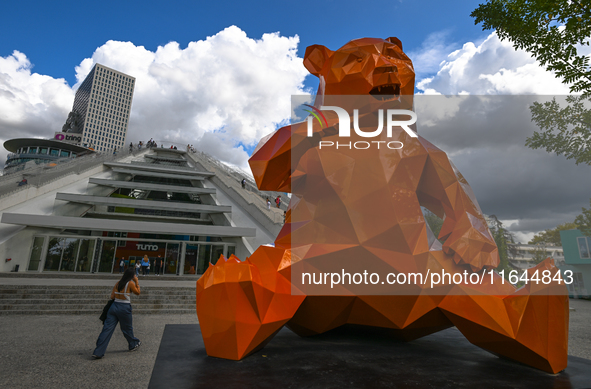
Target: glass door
point(107, 256)
point(191, 252)
point(217, 251)
point(54, 254)
point(36, 253)
point(171, 258)
point(85, 255)
point(69, 255)
point(203, 258)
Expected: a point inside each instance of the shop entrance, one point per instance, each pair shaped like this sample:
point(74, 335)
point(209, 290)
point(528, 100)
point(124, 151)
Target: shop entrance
point(105, 255)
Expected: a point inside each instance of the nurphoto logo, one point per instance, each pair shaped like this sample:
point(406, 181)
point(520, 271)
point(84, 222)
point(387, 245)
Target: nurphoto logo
point(393, 119)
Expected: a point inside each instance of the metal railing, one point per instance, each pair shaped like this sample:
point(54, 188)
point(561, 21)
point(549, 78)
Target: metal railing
point(232, 177)
point(43, 175)
point(238, 174)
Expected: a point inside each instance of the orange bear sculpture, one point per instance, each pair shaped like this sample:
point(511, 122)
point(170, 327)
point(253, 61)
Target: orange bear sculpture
point(353, 210)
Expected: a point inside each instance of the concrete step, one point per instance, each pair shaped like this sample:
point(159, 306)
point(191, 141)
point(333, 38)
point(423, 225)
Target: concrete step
point(98, 276)
point(93, 307)
point(98, 300)
point(142, 311)
point(91, 291)
point(96, 297)
point(55, 300)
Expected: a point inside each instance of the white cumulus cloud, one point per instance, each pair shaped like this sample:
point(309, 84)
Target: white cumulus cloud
point(227, 90)
point(491, 67)
point(31, 104)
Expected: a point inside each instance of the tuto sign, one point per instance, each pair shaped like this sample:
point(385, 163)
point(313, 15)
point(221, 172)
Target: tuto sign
point(147, 247)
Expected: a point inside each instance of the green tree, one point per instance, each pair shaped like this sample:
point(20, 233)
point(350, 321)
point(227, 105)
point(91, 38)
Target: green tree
point(584, 221)
point(433, 221)
point(503, 238)
point(552, 31)
point(564, 130)
point(552, 235)
point(539, 253)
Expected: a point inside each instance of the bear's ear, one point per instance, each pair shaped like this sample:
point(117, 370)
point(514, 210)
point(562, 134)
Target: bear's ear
point(395, 41)
point(315, 58)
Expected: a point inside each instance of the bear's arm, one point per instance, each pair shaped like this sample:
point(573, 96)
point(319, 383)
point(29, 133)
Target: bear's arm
point(443, 190)
point(277, 154)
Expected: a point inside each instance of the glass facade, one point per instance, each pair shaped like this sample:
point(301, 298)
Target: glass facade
point(204, 259)
point(104, 103)
point(104, 254)
point(85, 255)
point(69, 254)
point(171, 260)
point(63, 254)
point(191, 251)
point(54, 254)
point(107, 256)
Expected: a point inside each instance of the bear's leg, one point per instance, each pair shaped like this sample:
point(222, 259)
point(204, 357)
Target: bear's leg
point(529, 326)
point(408, 317)
point(318, 314)
point(402, 317)
point(242, 305)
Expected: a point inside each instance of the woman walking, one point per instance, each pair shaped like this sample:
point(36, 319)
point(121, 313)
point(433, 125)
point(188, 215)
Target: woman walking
point(120, 312)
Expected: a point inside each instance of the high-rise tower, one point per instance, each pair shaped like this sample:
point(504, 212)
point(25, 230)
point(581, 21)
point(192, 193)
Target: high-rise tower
point(101, 109)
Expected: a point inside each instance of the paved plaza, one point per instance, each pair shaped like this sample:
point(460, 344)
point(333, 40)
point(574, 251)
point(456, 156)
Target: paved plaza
point(55, 351)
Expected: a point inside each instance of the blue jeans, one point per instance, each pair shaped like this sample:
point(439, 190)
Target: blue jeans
point(119, 312)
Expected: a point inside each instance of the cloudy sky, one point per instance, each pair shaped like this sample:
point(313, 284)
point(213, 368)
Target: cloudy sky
point(220, 76)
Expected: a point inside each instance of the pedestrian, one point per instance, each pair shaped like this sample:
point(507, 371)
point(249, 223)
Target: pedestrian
point(243, 183)
point(122, 265)
point(137, 267)
point(278, 201)
point(268, 204)
point(130, 147)
point(146, 266)
point(120, 312)
point(284, 216)
point(158, 265)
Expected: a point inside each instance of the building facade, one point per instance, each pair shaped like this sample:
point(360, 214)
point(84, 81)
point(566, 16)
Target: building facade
point(524, 256)
point(32, 151)
point(577, 259)
point(101, 109)
point(158, 202)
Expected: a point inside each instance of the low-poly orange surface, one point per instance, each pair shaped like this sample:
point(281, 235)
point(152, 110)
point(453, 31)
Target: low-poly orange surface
point(371, 209)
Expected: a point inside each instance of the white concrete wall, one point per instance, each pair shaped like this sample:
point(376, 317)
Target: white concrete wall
point(15, 240)
point(241, 218)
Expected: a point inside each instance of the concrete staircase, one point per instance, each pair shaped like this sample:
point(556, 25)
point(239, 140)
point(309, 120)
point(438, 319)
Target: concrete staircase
point(56, 300)
point(250, 199)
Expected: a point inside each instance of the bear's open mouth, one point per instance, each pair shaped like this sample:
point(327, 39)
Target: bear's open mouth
point(385, 92)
